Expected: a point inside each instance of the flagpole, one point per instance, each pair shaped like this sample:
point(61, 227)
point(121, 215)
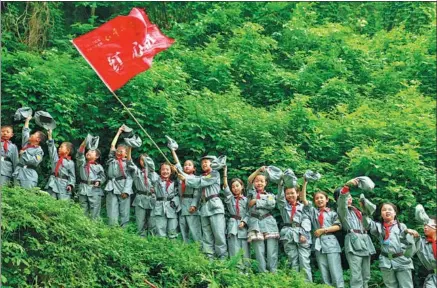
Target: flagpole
point(135, 119)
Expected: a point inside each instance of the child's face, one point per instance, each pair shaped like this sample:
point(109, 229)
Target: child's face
point(34, 139)
point(388, 213)
point(206, 165)
point(189, 167)
point(236, 188)
point(291, 195)
point(7, 133)
point(121, 152)
point(260, 182)
point(91, 155)
point(429, 230)
point(320, 200)
point(165, 171)
point(63, 150)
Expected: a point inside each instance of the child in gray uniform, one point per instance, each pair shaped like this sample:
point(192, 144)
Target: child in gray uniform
point(296, 230)
point(263, 230)
point(119, 186)
point(325, 222)
point(426, 247)
point(395, 266)
point(166, 205)
point(212, 210)
point(62, 181)
point(143, 184)
point(91, 176)
point(9, 155)
point(189, 218)
point(237, 222)
point(31, 155)
point(358, 245)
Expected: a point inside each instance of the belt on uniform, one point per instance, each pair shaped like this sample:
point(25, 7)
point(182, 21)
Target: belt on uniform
point(163, 199)
point(188, 196)
point(210, 197)
point(293, 225)
point(144, 193)
point(260, 217)
point(88, 182)
point(236, 217)
point(357, 231)
point(391, 256)
point(118, 178)
point(61, 177)
point(26, 166)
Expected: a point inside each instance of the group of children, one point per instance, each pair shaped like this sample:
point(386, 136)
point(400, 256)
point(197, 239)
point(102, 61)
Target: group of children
point(192, 205)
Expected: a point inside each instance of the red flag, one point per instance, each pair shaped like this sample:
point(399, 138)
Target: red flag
point(122, 47)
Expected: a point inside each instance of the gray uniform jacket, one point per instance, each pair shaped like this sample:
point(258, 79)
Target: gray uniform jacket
point(190, 197)
point(326, 243)
point(96, 174)
point(260, 218)
point(357, 241)
point(29, 160)
point(167, 202)
point(233, 221)
point(423, 248)
point(144, 190)
point(394, 245)
point(301, 224)
point(117, 183)
point(209, 187)
point(66, 173)
point(9, 159)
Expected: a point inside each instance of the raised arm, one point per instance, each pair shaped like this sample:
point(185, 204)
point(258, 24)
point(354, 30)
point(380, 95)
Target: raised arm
point(80, 157)
point(225, 176)
point(114, 141)
point(304, 192)
point(254, 174)
point(175, 156)
point(26, 131)
point(281, 194)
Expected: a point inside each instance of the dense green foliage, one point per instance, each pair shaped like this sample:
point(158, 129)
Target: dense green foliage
point(343, 88)
point(49, 243)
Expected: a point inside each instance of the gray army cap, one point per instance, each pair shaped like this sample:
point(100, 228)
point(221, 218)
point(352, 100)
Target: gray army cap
point(45, 120)
point(172, 144)
point(311, 176)
point(218, 163)
point(92, 142)
point(290, 179)
point(127, 132)
point(22, 113)
point(133, 141)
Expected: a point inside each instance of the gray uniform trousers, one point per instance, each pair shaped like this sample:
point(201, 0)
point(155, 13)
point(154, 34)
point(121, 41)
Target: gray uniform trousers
point(330, 266)
point(430, 281)
point(59, 196)
point(299, 258)
point(214, 239)
point(397, 278)
point(165, 227)
point(143, 219)
point(360, 270)
point(91, 205)
point(190, 226)
point(272, 254)
point(235, 244)
point(5, 180)
point(115, 205)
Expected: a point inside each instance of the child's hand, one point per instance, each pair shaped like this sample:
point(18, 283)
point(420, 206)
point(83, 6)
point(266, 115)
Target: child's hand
point(262, 168)
point(181, 177)
point(192, 209)
point(241, 224)
point(319, 232)
point(413, 233)
point(97, 184)
point(49, 133)
point(29, 118)
point(121, 129)
point(173, 168)
point(69, 188)
point(252, 202)
point(352, 182)
point(124, 195)
point(302, 239)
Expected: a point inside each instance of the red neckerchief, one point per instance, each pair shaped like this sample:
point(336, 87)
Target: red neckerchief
point(146, 182)
point(204, 189)
point(293, 211)
point(167, 183)
point(434, 245)
point(87, 167)
point(321, 216)
point(120, 165)
point(29, 146)
point(237, 207)
point(358, 213)
point(5, 145)
point(387, 228)
point(59, 163)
